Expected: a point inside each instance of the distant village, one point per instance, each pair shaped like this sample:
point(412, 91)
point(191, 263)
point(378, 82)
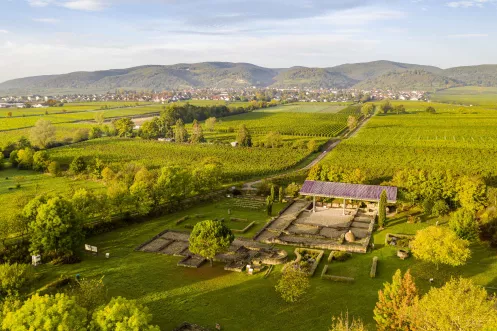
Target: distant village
point(227, 95)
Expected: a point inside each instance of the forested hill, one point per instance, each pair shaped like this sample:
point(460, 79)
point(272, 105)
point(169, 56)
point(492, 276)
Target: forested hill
point(378, 74)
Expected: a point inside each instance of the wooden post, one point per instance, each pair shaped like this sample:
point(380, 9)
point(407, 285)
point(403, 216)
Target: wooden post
point(313, 203)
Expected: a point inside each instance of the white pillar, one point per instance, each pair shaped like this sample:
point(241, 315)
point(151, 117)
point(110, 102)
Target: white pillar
point(344, 206)
point(313, 203)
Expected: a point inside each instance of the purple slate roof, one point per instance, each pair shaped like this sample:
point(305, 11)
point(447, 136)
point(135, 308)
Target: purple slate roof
point(348, 191)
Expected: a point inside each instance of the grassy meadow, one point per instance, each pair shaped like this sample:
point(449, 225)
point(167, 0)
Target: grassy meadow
point(237, 301)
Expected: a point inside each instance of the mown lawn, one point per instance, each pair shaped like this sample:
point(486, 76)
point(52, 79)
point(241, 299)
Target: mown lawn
point(240, 302)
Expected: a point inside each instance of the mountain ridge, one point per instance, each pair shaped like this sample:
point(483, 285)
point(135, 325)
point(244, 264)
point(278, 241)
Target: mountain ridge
point(380, 74)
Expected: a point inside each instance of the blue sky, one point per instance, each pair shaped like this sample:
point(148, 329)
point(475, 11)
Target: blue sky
point(57, 36)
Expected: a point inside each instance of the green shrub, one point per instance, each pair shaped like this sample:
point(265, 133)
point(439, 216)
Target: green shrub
point(15, 276)
point(440, 208)
point(341, 256)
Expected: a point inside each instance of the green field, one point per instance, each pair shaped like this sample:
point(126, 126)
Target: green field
point(241, 302)
point(464, 141)
point(33, 183)
point(468, 95)
point(307, 107)
point(289, 123)
point(238, 163)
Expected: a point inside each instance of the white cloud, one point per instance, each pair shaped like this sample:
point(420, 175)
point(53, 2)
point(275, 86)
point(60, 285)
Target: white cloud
point(46, 20)
point(39, 3)
point(4, 31)
point(469, 3)
point(86, 5)
point(469, 35)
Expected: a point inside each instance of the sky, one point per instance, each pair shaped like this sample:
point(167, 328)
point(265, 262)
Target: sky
point(39, 37)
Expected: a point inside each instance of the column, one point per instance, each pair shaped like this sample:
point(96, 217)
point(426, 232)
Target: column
point(313, 203)
point(344, 206)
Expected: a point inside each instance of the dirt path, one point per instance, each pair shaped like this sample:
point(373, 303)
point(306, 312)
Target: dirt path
point(329, 147)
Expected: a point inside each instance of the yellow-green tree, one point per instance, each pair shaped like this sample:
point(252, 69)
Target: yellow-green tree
point(440, 245)
point(458, 305)
point(293, 282)
point(394, 301)
point(209, 238)
point(123, 315)
point(45, 313)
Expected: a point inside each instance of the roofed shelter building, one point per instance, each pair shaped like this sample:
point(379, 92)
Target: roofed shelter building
point(347, 191)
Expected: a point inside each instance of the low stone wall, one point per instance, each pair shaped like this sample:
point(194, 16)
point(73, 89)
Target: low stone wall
point(329, 246)
point(372, 273)
point(314, 266)
point(335, 278)
point(245, 229)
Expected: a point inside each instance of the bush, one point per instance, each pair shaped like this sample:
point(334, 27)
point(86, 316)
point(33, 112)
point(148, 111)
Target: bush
point(15, 276)
point(341, 256)
point(440, 208)
point(464, 224)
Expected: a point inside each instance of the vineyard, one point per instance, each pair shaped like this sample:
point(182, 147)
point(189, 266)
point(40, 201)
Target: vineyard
point(468, 95)
point(290, 123)
point(462, 141)
point(238, 163)
point(306, 107)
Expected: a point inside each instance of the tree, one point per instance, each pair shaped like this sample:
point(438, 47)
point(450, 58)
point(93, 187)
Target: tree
point(293, 282)
point(386, 106)
point(343, 323)
point(280, 194)
point(394, 301)
point(95, 132)
point(85, 203)
point(351, 122)
point(150, 129)
point(45, 313)
point(180, 133)
point(367, 109)
point(210, 123)
point(56, 228)
point(293, 189)
point(209, 238)
point(437, 244)
point(54, 168)
point(13, 277)
point(124, 127)
point(458, 305)
point(81, 134)
point(272, 139)
point(382, 213)
point(43, 133)
point(269, 206)
point(100, 118)
point(197, 133)
point(78, 165)
point(243, 136)
point(121, 314)
point(273, 193)
point(41, 161)
point(440, 208)
point(400, 109)
point(471, 193)
point(312, 146)
point(90, 294)
point(25, 158)
point(464, 224)
point(431, 110)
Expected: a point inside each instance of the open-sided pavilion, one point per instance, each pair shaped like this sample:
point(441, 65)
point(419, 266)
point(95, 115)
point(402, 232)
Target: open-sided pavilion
point(346, 191)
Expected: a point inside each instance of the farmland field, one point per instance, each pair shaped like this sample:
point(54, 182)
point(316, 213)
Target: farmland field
point(33, 183)
point(468, 95)
point(289, 123)
point(463, 140)
point(307, 107)
point(238, 163)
